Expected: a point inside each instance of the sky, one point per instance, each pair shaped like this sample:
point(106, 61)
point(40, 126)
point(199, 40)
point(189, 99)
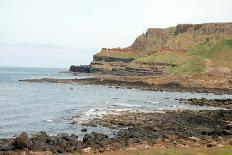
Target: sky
point(59, 33)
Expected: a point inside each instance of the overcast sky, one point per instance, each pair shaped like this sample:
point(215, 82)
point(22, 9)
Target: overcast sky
point(58, 33)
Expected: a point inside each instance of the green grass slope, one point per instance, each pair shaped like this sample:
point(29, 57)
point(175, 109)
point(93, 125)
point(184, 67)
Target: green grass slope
point(210, 54)
point(206, 56)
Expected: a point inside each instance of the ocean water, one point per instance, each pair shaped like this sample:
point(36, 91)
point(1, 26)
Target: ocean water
point(34, 107)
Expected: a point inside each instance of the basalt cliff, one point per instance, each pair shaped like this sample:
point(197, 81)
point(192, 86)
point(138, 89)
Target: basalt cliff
point(184, 49)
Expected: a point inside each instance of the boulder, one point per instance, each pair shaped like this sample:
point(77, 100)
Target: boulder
point(40, 137)
point(84, 130)
point(22, 141)
point(38, 147)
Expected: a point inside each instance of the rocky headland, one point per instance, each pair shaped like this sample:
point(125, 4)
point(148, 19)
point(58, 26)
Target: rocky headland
point(192, 55)
point(184, 49)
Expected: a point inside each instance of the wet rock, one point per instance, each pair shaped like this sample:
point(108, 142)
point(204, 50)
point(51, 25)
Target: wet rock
point(6, 144)
point(223, 103)
point(22, 141)
point(87, 138)
point(84, 130)
point(81, 69)
point(74, 136)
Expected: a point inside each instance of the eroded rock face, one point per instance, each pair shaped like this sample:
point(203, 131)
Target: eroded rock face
point(179, 39)
point(111, 59)
point(205, 29)
point(182, 37)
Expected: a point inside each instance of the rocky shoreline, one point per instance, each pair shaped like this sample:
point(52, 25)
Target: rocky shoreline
point(111, 82)
point(222, 103)
point(168, 129)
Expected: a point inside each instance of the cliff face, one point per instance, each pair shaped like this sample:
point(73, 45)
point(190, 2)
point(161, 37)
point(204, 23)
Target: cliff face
point(168, 50)
point(181, 38)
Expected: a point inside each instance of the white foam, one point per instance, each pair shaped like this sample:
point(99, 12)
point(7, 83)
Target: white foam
point(128, 105)
point(155, 102)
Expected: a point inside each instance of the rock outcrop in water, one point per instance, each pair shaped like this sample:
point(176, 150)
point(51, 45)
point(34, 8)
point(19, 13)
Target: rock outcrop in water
point(156, 51)
point(81, 69)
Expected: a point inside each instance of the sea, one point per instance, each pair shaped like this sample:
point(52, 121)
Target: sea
point(51, 107)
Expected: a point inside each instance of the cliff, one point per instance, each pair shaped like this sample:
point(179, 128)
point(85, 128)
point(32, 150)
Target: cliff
point(170, 51)
point(182, 37)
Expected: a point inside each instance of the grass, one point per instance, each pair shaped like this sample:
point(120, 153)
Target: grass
point(215, 53)
point(226, 150)
point(189, 151)
point(121, 54)
point(212, 49)
point(166, 57)
point(185, 63)
point(218, 53)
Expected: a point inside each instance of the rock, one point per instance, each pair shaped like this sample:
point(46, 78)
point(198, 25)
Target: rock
point(40, 137)
point(74, 136)
point(191, 34)
point(212, 144)
point(81, 69)
point(70, 148)
point(98, 141)
point(84, 130)
point(37, 147)
point(22, 141)
point(98, 58)
point(99, 135)
point(87, 150)
point(88, 137)
point(131, 141)
point(77, 145)
point(63, 135)
point(62, 143)
point(52, 140)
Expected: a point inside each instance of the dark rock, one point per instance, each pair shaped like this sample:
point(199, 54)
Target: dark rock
point(211, 144)
point(131, 141)
point(62, 143)
point(111, 59)
point(40, 137)
point(77, 145)
point(22, 141)
point(70, 148)
point(40, 147)
point(74, 136)
point(99, 135)
point(88, 137)
point(97, 141)
point(81, 69)
point(84, 130)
